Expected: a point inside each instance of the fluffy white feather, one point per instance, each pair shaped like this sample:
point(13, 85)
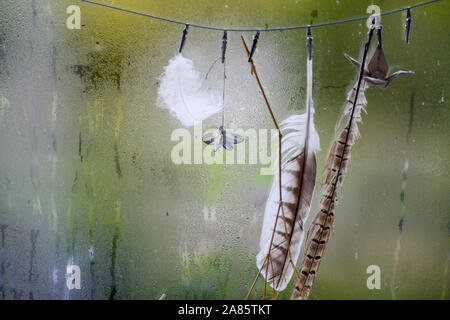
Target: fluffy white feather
point(181, 92)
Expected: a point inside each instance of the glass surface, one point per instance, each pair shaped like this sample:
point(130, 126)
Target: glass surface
point(86, 175)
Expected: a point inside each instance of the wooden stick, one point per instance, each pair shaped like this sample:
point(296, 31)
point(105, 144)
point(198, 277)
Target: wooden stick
point(253, 71)
point(280, 206)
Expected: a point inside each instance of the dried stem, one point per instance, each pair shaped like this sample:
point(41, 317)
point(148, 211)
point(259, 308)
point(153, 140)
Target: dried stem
point(266, 262)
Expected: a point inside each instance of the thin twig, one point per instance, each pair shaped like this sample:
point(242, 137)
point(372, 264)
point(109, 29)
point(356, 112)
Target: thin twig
point(280, 206)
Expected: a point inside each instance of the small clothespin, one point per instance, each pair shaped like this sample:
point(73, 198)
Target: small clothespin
point(183, 37)
point(408, 24)
point(224, 45)
point(255, 41)
point(309, 40)
point(380, 36)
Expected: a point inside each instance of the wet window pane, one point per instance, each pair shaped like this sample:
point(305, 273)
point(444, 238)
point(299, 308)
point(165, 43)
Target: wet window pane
point(88, 180)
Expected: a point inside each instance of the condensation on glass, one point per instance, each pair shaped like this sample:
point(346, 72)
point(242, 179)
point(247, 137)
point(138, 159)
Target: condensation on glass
point(87, 180)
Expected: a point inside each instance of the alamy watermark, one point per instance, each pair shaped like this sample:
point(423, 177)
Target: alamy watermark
point(73, 277)
point(374, 280)
point(259, 147)
point(73, 21)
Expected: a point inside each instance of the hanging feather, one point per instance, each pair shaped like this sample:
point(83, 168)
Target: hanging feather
point(337, 163)
point(182, 93)
point(282, 232)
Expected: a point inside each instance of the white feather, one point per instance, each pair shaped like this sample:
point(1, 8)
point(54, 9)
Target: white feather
point(292, 144)
point(293, 129)
point(181, 92)
point(282, 265)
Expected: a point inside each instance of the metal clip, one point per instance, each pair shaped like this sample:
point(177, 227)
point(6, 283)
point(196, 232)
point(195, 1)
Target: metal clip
point(183, 37)
point(224, 45)
point(309, 40)
point(408, 25)
point(255, 41)
point(380, 37)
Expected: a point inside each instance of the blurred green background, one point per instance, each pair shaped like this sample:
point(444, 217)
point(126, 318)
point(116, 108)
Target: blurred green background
point(85, 169)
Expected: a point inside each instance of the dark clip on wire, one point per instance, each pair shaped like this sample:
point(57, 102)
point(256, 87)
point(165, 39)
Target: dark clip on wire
point(408, 25)
point(309, 40)
point(255, 41)
point(380, 37)
point(183, 37)
point(224, 45)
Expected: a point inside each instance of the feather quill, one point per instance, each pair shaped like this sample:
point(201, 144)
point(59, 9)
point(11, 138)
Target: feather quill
point(336, 165)
point(282, 231)
point(181, 92)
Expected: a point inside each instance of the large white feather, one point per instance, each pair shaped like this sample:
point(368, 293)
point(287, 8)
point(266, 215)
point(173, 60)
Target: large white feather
point(284, 235)
point(182, 93)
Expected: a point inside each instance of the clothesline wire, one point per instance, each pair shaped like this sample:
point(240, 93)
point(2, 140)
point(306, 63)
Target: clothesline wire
point(385, 13)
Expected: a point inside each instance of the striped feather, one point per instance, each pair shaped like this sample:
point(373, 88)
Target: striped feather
point(282, 232)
